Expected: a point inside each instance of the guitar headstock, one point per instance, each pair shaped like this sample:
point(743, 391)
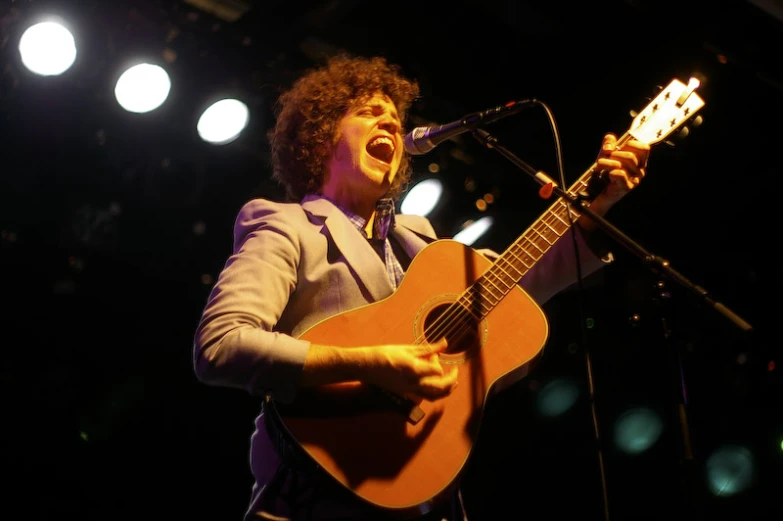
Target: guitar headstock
point(668, 111)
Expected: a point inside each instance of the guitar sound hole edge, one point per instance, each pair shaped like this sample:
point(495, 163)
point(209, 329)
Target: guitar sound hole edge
point(469, 334)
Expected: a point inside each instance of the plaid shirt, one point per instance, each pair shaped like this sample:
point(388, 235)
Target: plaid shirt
point(384, 221)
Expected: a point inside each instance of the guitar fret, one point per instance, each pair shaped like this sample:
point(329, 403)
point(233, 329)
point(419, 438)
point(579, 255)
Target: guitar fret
point(503, 260)
point(519, 271)
point(527, 260)
point(560, 219)
point(492, 280)
point(480, 291)
point(508, 284)
point(474, 302)
point(504, 277)
point(557, 224)
point(531, 241)
point(543, 236)
point(498, 274)
point(553, 230)
point(563, 212)
point(490, 289)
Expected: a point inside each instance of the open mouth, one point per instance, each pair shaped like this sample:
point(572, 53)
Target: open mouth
point(382, 149)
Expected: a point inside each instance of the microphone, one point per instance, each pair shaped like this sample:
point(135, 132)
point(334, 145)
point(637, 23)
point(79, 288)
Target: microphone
point(421, 140)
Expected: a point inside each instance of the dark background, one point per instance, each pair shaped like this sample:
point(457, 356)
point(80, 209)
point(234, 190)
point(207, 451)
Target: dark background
point(114, 225)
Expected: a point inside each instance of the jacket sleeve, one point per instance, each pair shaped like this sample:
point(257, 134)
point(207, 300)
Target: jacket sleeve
point(235, 344)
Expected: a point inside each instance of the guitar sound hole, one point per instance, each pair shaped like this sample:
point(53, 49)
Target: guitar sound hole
point(461, 329)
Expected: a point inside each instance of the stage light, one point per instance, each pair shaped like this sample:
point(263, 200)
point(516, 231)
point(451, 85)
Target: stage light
point(730, 470)
point(556, 397)
point(47, 49)
point(474, 230)
point(422, 198)
point(142, 88)
point(637, 429)
point(223, 121)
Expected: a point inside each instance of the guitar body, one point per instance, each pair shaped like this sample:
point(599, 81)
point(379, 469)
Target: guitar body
point(374, 447)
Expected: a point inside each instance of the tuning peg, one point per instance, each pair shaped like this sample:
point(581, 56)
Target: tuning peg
point(685, 131)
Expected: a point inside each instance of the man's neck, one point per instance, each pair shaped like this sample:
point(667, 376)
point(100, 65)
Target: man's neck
point(360, 202)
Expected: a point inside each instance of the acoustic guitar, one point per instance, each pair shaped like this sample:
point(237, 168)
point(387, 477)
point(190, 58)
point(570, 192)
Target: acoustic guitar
point(404, 455)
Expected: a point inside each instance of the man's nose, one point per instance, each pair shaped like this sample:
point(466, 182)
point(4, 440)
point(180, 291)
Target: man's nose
point(390, 125)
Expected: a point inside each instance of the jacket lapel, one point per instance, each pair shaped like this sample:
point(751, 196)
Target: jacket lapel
point(370, 270)
point(412, 239)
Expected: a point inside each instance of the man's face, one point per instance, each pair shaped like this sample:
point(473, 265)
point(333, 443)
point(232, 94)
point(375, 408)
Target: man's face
point(368, 151)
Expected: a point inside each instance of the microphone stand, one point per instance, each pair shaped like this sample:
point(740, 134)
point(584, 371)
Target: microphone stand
point(656, 263)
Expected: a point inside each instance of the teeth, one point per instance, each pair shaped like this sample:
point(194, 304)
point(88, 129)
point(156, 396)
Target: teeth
point(382, 141)
point(381, 148)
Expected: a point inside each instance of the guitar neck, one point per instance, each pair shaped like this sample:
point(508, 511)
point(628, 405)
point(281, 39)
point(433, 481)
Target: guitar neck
point(481, 297)
point(674, 105)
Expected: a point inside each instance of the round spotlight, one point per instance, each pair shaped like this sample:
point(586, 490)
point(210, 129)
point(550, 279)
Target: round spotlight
point(473, 231)
point(47, 49)
point(730, 470)
point(223, 121)
point(637, 429)
point(557, 397)
point(142, 88)
point(422, 198)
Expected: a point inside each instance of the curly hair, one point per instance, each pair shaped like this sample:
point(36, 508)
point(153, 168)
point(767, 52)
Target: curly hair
point(307, 115)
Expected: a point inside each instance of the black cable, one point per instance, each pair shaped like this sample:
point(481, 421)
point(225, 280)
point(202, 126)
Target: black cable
point(580, 303)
